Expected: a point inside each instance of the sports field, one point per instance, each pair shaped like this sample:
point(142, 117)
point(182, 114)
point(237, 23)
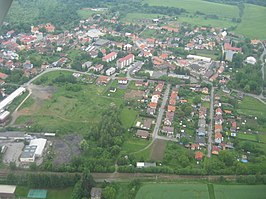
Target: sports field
point(253, 22)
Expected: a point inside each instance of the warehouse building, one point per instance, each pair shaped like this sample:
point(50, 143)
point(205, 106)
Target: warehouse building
point(9, 99)
point(3, 116)
point(7, 191)
point(33, 150)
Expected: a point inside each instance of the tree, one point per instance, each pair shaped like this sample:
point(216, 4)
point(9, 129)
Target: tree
point(196, 100)
point(109, 192)
point(100, 54)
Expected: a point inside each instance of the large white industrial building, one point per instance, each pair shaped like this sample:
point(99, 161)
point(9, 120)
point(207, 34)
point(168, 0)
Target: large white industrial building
point(33, 150)
point(11, 97)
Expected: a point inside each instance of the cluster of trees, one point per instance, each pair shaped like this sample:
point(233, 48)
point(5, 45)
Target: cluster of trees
point(42, 180)
point(83, 187)
point(62, 78)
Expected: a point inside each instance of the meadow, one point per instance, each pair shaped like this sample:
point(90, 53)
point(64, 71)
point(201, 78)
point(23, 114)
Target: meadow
point(252, 107)
point(195, 191)
point(165, 191)
point(253, 22)
point(239, 191)
point(192, 6)
point(67, 111)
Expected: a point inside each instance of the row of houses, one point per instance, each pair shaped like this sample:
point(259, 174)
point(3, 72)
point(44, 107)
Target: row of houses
point(168, 122)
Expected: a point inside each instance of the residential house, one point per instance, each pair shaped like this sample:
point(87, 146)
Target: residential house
point(198, 155)
point(218, 111)
point(153, 105)
point(194, 147)
point(122, 80)
point(97, 68)
point(151, 111)
point(143, 134)
point(218, 128)
point(147, 123)
point(200, 140)
point(138, 83)
point(171, 108)
point(218, 138)
point(215, 150)
point(102, 80)
point(110, 71)
point(168, 130)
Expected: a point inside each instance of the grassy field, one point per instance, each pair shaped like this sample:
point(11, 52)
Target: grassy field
point(212, 191)
point(201, 21)
point(69, 111)
point(223, 10)
point(166, 191)
point(240, 191)
point(51, 194)
point(133, 17)
point(85, 14)
point(253, 107)
point(128, 117)
point(253, 22)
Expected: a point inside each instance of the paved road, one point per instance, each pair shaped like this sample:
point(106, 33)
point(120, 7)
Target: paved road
point(263, 67)
point(160, 113)
point(210, 129)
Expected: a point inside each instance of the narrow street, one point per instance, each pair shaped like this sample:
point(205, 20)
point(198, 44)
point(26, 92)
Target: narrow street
point(210, 129)
point(263, 68)
point(160, 113)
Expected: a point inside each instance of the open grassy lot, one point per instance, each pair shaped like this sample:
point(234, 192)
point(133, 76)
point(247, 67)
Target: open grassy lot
point(166, 191)
point(253, 22)
point(253, 107)
point(192, 6)
point(240, 191)
point(85, 14)
point(70, 111)
point(22, 192)
point(134, 17)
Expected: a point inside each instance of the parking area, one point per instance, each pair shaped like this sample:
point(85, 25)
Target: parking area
point(13, 152)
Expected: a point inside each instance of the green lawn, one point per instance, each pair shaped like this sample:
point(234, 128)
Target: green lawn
point(51, 194)
point(252, 137)
point(253, 22)
point(253, 107)
point(128, 117)
point(240, 191)
point(192, 6)
point(134, 144)
point(173, 191)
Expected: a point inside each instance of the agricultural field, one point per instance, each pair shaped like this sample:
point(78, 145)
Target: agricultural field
point(165, 191)
point(22, 192)
point(201, 21)
point(214, 191)
point(253, 22)
point(192, 6)
point(239, 191)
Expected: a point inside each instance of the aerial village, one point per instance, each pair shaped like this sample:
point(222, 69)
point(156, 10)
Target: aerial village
point(170, 71)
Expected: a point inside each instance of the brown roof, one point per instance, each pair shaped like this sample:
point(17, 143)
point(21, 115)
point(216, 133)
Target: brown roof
point(171, 108)
point(142, 133)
